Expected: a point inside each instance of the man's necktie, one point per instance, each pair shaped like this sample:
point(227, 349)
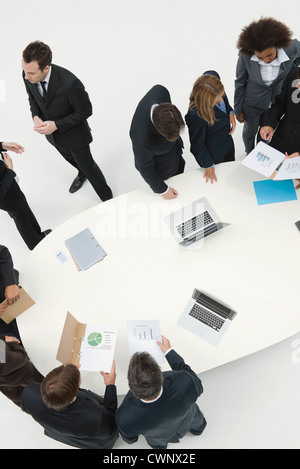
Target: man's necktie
point(44, 95)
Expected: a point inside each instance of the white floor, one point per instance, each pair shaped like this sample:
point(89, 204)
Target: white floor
point(119, 50)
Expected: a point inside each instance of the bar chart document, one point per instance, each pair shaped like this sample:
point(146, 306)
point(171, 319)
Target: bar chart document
point(142, 337)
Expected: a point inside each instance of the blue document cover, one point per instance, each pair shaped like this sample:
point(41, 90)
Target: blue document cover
point(85, 249)
point(270, 192)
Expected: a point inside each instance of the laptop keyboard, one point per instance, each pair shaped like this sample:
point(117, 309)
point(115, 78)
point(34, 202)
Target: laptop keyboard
point(194, 224)
point(205, 316)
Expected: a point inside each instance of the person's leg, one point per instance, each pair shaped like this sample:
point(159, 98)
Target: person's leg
point(16, 205)
point(92, 172)
point(251, 126)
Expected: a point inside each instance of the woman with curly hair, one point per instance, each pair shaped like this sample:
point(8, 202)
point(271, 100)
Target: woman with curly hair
point(267, 53)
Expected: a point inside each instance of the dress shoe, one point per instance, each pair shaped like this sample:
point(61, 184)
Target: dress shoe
point(46, 232)
point(77, 184)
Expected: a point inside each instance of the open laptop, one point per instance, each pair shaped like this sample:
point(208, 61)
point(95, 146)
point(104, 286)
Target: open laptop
point(206, 317)
point(194, 222)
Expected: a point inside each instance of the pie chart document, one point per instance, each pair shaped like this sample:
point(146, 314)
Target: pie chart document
point(98, 348)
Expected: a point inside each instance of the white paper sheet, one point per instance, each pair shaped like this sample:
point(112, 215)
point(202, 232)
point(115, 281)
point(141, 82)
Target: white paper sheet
point(98, 348)
point(142, 337)
point(263, 159)
point(290, 169)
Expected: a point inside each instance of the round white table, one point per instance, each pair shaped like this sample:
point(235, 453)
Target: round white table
point(251, 265)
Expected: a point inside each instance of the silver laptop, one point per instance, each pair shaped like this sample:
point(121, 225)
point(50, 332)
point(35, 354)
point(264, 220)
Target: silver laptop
point(194, 222)
point(206, 317)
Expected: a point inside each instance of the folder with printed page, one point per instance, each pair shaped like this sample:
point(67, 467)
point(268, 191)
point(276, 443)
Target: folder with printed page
point(17, 308)
point(85, 249)
point(92, 347)
point(271, 163)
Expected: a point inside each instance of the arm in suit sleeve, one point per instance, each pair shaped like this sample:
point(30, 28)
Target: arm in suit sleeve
point(6, 181)
point(110, 404)
point(177, 363)
point(34, 107)
point(144, 163)
point(80, 103)
point(240, 85)
point(124, 421)
point(6, 267)
point(197, 133)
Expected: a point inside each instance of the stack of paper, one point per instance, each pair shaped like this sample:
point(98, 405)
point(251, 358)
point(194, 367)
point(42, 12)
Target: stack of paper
point(85, 249)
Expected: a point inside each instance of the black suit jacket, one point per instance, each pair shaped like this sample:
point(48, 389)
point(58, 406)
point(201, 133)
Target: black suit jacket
point(155, 158)
point(87, 423)
point(67, 104)
point(171, 416)
point(284, 116)
point(210, 143)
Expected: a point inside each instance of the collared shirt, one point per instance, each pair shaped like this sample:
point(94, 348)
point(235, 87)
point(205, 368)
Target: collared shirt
point(46, 80)
point(269, 72)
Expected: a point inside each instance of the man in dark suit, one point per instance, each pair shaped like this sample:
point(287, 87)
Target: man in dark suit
point(156, 142)
point(13, 201)
point(9, 289)
point(71, 415)
point(60, 107)
point(160, 406)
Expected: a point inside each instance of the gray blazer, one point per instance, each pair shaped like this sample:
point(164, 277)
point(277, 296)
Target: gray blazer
point(250, 90)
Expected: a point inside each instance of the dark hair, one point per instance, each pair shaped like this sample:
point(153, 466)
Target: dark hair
point(263, 34)
point(144, 376)
point(167, 120)
point(38, 51)
point(60, 386)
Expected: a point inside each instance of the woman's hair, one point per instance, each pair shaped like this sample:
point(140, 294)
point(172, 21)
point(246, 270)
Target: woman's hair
point(168, 120)
point(144, 376)
point(60, 386)
point(203, 96)
point(263, 34)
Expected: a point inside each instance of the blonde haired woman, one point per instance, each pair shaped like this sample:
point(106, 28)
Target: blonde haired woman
point(211, 123)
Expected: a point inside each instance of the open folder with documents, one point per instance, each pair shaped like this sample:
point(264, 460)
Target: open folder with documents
point(85, 249)
point(271, 163)
point(91, 346)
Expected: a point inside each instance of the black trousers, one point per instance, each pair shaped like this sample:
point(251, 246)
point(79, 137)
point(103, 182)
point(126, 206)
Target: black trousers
point(83, 161)
point(16, 205)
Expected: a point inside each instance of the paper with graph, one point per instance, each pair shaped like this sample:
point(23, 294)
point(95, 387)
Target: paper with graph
point(142, 337)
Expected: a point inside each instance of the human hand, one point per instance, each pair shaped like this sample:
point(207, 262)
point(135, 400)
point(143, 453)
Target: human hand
point(266, 132)
point(241, 117)
point(12, 293)
point(11, 339)
point(3, 308)
point(12, 146)
point(7, 161)
point(45, 128)
point(210, 175)
point(164, 345)
point(232, 123)
point(292, 155)
point(110, 378)
point(171, 194)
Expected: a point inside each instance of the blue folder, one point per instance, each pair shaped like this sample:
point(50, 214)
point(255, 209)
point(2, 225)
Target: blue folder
point(270, 192)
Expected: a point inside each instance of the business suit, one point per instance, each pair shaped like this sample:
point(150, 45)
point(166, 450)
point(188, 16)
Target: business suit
point(16, 372)
point(68, 105)
point(211, 144)
point(87, 423)
point(252, 96)
point(8, 276)
point(171, 416)
point(13, 201)
point(156, 158)
point(284, 116)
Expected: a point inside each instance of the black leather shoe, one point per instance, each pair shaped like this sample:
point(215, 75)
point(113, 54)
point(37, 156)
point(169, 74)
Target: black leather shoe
point(77, 184)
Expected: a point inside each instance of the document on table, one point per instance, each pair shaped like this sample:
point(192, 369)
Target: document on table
point(290, 169)
point(264, 159)
point(98, 348)
point(142, 337)
point(85, 249)
point(270, 192)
